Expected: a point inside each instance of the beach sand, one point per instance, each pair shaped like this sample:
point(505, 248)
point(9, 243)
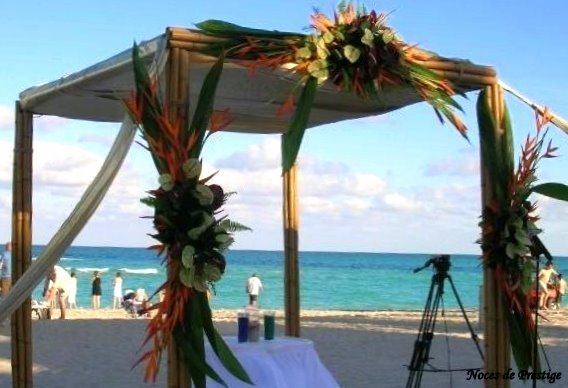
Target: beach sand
point(361, 349)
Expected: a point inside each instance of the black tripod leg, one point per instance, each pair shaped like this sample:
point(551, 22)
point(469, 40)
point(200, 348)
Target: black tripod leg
point(417, 354)
point(425, 334)
point(473, 335)
point(430, 327)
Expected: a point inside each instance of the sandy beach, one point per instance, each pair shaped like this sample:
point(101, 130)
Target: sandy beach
point(361, 349)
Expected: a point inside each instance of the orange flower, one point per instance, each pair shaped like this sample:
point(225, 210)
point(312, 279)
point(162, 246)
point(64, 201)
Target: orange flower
point(321, 23)
point(170, 314)
point(219, 119)
point(542, 118)
point(287, 106)
point(134, 107)
point(347, 15)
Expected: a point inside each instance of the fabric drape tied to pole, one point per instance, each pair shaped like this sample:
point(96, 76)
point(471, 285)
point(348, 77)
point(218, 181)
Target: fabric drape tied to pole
point(554, 118)
point(73, 224)
point(82, 212)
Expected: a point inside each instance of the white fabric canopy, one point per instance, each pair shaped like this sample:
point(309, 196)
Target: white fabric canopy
point(96, 94)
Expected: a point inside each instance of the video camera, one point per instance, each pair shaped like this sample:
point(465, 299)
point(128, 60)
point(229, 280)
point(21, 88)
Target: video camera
point(441, 264)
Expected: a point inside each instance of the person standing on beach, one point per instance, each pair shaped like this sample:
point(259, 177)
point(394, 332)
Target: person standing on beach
point(6, 270)
point(543, 279)
point(253, 288)
point(96, 290)
point(117, 291)
point(57, 285)
point(72, 292)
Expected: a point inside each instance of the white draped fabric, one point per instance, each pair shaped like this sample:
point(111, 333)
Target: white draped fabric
point(280, 363)
point(73, 224)
point(80, 215)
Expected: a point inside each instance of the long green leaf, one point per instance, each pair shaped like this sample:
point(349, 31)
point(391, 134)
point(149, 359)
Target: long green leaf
point(143, 89)
point(205, 105)
point(552, 190)
point(493, 160)
point(214, 26)
point(149, 127)
point(196, 337)
point(191, 338)
point(218, 344)
point(292, 139)
point(507, 146)
point(521, 353)
point(197, 369)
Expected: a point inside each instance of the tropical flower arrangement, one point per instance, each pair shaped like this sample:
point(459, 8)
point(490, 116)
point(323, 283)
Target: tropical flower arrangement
point(355, 51)
point(510, 240)
point(190, 229)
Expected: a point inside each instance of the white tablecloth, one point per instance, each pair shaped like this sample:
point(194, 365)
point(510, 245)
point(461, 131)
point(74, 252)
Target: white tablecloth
point(285, 362)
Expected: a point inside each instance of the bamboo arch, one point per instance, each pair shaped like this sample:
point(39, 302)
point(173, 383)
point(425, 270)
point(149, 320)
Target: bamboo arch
point(181, 44)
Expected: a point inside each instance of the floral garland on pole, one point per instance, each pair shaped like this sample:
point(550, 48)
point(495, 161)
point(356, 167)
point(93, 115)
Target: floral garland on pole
point(191, 233)
point(355, 51)
point(510, 240)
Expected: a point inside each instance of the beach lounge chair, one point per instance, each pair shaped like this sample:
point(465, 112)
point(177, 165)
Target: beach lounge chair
point(41, 310)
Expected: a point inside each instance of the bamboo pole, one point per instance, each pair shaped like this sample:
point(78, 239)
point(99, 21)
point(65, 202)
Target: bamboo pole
point(176, 33)
point(496, 330)
point(458, 67)
point(291, 270)
point(177, 96)
point(466, 78)
point(192, 46)
point(22, 376)
point(455, 70)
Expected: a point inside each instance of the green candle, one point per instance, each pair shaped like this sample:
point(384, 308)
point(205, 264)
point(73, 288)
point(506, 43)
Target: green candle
point(268, 325)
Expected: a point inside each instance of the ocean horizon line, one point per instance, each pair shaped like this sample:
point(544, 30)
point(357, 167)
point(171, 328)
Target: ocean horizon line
point(281, 250)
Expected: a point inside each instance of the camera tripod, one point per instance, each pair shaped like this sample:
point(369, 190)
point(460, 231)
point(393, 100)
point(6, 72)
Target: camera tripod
point(421, 354)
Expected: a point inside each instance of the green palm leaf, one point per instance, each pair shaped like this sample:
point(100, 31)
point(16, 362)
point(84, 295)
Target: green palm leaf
point(220, 27)
point(218, 345)
point(233, 226)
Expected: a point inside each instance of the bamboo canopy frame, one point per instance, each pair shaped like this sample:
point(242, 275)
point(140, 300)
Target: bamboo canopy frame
point(95, 94)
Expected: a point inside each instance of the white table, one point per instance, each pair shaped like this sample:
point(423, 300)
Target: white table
point(285, 362)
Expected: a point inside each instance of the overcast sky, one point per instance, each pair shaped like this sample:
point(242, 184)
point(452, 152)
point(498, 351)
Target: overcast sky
point(395, 183)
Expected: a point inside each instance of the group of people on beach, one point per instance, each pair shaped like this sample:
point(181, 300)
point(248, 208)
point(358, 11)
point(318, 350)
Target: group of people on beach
point(60, 288)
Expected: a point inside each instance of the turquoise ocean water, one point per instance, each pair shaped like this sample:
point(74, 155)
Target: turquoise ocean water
point(329, 280)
